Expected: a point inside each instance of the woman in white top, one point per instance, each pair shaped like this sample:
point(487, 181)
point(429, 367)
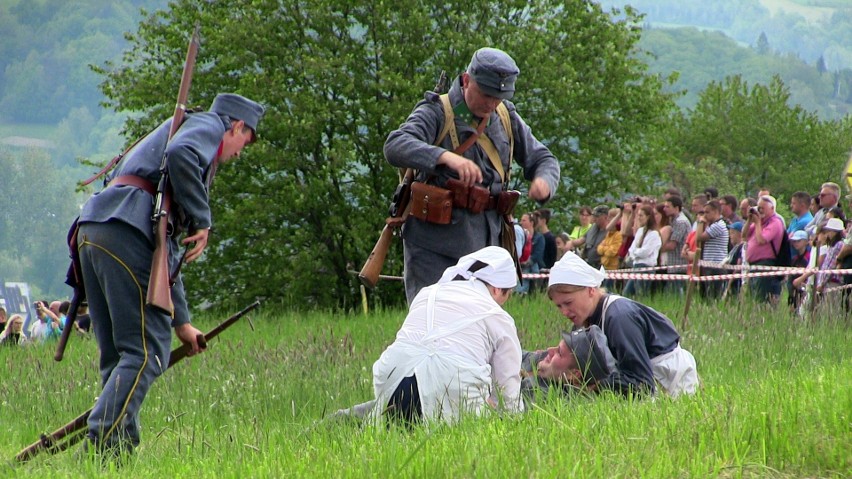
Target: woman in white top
point(645, 248)
point(457, 351)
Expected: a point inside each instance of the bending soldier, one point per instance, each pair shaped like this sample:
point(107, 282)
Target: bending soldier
point(116, 244)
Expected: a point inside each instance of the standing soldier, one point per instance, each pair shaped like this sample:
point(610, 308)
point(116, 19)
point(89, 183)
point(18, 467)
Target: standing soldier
point(437, 140)
point(116, 244)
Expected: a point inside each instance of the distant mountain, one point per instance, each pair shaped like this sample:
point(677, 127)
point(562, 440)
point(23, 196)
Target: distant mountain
point(809, 29)
point(704, 42)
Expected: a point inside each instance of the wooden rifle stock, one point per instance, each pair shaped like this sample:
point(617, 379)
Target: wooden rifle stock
point(159, 292)
point(399, 209)
point(73, 432)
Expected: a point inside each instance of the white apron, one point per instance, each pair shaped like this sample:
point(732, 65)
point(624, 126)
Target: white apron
point(449, 383)
point(675, 371)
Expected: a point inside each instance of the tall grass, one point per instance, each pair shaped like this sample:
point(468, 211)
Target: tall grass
point(776, 402)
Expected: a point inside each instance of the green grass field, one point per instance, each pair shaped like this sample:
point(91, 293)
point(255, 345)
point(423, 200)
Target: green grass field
point(776, 402)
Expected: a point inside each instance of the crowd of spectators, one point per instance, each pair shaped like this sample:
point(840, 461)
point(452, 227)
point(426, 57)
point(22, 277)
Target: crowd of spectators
point(659, 235)
point(46, 325)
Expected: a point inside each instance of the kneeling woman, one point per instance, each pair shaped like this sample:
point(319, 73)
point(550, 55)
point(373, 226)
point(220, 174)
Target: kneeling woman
point(644, 342)
point(457, 350)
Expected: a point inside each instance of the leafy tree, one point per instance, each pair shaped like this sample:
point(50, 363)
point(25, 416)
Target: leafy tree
point(304, 206)
point(761, 139)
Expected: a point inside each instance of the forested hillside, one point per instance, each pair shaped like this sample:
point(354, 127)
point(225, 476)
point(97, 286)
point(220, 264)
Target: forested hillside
point(45, 76)
point(700, 57)
point(599, 91)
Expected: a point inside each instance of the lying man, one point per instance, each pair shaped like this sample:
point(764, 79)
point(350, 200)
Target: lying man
point(643, 341)
point(576, 364)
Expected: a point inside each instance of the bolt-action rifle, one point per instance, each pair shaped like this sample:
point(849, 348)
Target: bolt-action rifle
point(160, 285)
point(74, 432)
point(398, 213)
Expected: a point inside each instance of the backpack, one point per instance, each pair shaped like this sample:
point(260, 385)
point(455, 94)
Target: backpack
point(783, 255)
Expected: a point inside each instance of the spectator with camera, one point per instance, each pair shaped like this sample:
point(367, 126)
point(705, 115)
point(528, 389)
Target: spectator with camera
point(47, 326)
point(763, 231)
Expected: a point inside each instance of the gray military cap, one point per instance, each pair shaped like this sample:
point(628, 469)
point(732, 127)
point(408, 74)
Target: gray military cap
point(591, 351)
point(238, 107)
point(494, 71)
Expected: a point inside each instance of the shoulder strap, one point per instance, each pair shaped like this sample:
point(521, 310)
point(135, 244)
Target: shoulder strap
point(503, 112)
point(607, 301)
point(449, 123)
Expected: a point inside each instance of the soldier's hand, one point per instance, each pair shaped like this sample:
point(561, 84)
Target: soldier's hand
point(188, 334)
point(469, 173)
point(539, 190)
point(200, 239)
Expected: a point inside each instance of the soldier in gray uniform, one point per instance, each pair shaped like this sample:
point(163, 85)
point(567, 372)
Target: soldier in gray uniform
point(116, 244)
point(489, 81)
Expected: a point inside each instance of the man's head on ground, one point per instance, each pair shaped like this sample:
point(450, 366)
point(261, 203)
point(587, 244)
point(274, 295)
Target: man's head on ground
point(492, 265)
point(489, 79)
point(581, 358)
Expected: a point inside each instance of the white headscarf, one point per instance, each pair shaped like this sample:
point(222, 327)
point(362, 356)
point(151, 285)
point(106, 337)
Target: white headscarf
point(498, 270)
point(571, 269)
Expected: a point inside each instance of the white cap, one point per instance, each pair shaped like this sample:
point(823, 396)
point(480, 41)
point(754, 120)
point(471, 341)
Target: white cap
point(573, 270)
point(492, 264)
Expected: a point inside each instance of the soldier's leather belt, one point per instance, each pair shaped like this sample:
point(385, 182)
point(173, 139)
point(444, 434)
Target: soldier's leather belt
point(434, 204)
point(137, 181)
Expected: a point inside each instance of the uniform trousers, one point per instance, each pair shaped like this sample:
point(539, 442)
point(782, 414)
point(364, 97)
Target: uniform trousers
point(134, 339)
point(423, 268)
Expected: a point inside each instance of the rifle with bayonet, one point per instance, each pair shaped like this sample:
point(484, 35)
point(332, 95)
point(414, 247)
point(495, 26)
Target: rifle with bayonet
point(398, 213)
point(75, 431)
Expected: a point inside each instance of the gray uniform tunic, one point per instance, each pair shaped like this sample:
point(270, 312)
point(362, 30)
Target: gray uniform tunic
point(116, 246)
point(431, 248)
point(635, 334)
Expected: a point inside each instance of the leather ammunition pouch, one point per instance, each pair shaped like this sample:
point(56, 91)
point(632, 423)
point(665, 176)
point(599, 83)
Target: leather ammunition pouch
point(507, 201)
point(431, 203)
